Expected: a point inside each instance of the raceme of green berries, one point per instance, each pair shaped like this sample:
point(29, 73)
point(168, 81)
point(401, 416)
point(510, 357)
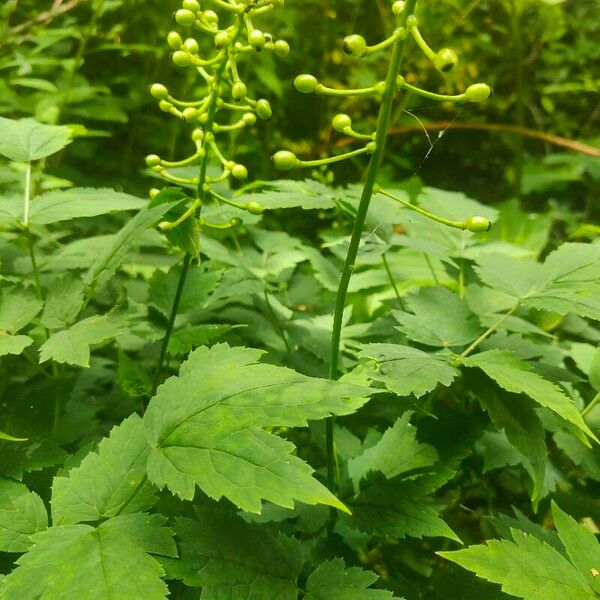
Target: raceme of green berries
point(444, 61)
point(234, 37)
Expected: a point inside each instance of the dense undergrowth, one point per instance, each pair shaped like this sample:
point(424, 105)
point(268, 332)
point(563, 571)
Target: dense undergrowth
point(355, 382)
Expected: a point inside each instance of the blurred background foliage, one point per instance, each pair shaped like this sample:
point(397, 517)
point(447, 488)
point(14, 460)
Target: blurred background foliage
point(91, 62)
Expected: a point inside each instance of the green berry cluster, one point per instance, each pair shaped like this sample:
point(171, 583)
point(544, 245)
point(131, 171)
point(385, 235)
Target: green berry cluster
point(444, 60)
point(355, 45)
point(234, 37)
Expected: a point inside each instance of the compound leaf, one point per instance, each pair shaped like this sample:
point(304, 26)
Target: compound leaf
point(527, 568)
point(234, 560)
point(205, 428)
point(72, 346)
point(26, 140)
point(458, 327)
point(581, 544)
point(333, 581)
point(517, 376)
point(397, 452)
point(109, 482)
point(22, 513)
point(94, 563)
point(405, 370)
point(76, 203)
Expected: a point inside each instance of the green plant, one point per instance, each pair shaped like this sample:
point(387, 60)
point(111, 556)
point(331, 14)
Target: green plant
point(467, 406)
point(385, 91)
point(225, 92)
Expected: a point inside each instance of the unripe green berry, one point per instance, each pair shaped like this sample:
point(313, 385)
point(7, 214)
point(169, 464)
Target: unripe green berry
point(165, 106)
point(478, 92)
point(254, 208)
point(211, 17)
point(281, 48)
point(398, 7)
point(477, 224)
point(306, 84)
point(181, 59)
point(285, 160)
point(355, 45)
point(223, 39)
point(249, 118)
point(236, 222)
point(174, 40)
point(185, 18)
point(263, 109)
point(197, 135)
point(152, 160)
point(191, 45)
point(153, 193)
point(190, 114)
point(159, 91)
point(239, 90)
point(340, 122)
point(445, 60)
point(192, 5)
point(240, 172)
point(380, 88)
point(256, 39)
point(157, 168)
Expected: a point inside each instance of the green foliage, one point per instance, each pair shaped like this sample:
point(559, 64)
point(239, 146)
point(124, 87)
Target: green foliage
point(469, 360)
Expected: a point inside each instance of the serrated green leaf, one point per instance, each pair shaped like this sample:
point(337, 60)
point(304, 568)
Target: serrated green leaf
point(63, 302)
point(527, 568)
point(458, 327)
point(332, 580)
point(108, 482)
point(289, 193)
point(22, 513)
point(517, 376)
point(113, 253)
point(397, 452)
point(405, 370)
point(568, 282)
point(13, 344)
point(72, 346)
point(94, 563)
point(205, 429)
point(397, 508)
point(582, 546)
point(77, 203)
point(199, 285)
point(234, 560)
point(524, 431)
point(27, 140)
point(18, 307)
point(183, 341)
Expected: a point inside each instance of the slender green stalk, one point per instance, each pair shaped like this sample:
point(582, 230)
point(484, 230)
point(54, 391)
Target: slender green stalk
point(28, 237)
point(588, 409)
point(172, 317)
point(359, 222)
point(519, 53)
point(212, 109)
point(486, 334)
point(386, 264)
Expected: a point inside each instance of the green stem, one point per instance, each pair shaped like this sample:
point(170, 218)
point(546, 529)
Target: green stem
point(489, 331)
point(172, 317)
point(28, 237)
point(517, 40)
point(386, 264)
point(380, 138)
point(588, 409)
point(201, 194)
